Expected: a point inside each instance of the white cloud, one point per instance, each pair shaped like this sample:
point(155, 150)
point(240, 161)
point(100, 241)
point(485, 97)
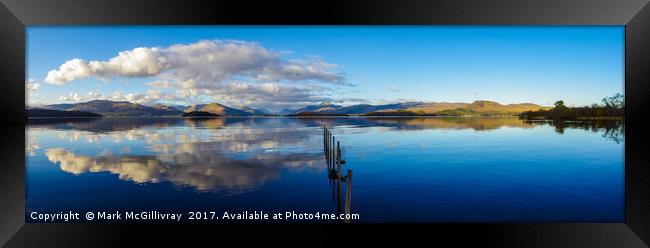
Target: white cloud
point(303, 70)
point(268, 95)
point(69, 71)
point(160, 84)
point(237, 72)
point(393, 89)
point(71, 97)
point(94, 94)
point(204, 62)
point(31, 87)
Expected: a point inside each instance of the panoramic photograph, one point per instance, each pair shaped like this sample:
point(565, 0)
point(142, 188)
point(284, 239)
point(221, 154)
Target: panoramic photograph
point(324, 124)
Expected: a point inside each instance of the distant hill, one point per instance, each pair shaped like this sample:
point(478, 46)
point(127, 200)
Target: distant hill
point(287, 111)
point(123, 108)
point(42, 113)
point(114, 108)
point(494, 108)
point(433, 107)
point(367, 108)
point(263, 110)
point(360, 109)
point(179, 107)
point(60, 106)
point(200, 114)
point(218, 109)
point(355, 109)
point(166, 107)
point(254, 111)
point(487, 108)
point(325, 106)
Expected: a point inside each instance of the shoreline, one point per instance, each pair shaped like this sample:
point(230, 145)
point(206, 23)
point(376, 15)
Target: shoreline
point(333, 116)
point(594, 118)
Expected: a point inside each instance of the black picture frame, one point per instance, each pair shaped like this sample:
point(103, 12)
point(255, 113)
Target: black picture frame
point(15, 15)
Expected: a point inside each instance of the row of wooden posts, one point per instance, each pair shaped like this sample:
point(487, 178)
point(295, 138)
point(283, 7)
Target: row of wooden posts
point(332, 150)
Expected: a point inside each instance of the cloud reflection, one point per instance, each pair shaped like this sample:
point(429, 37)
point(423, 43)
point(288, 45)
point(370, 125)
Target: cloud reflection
point(230, 160)
point(196, 168)
point(223, 154)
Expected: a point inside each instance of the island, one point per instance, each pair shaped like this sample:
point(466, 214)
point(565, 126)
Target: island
point(200, 114)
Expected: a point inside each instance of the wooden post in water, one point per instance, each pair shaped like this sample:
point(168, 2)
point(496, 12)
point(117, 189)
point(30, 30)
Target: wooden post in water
point(327, 149)
point(325, 145)
point(330, 138)
point(332, 153)
point(334, 161)
point(327, 137)
point(338, 161)
point(327, 141)
point(348, 195)
point(338, 176)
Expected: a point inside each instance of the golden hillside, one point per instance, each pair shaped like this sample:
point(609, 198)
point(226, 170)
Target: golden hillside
point(218, 109)
point(479, 107)
point(433, 107)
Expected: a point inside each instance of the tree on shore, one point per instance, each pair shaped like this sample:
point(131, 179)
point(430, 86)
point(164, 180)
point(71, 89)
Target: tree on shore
point(613, 106)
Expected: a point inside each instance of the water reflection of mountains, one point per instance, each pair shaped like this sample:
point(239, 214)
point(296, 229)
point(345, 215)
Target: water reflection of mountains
point(229, 161)
point(612, 127)
point(245, 157)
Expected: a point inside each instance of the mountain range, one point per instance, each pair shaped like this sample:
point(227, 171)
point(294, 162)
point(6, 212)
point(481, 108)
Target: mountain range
point(419, 108)
point(123, 108)
point(117, 108)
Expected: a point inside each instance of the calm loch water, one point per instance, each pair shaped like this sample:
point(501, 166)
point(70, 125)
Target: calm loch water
point(405, 169)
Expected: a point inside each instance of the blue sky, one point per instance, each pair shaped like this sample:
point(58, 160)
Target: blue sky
point(281, 66)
